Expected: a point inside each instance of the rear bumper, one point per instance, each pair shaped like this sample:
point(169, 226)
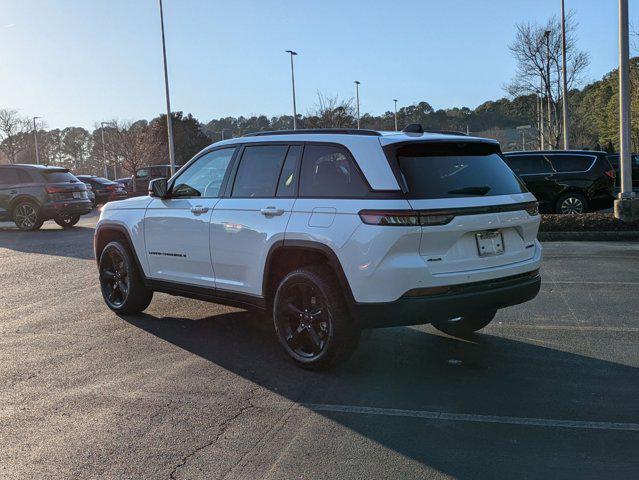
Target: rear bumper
point(75, 207)
point(464, 299)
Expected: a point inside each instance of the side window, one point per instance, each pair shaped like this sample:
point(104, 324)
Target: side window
point(9, 176)
point(571, 163)
point(205, 176)
point(328, 171)
point(259, 171)
point(142, 173)
point(530, 164)
point(287, 186)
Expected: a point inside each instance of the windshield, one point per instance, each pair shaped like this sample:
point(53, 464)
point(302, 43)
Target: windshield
point(455, 172)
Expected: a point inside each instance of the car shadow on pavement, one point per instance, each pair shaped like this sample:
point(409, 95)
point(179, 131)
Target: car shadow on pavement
point(410, 369)
point(76, 242)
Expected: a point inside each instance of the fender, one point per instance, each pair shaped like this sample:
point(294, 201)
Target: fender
point(112, 226)
point(315, 247)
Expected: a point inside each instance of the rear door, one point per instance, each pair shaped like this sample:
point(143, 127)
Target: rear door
point(8, 181)
point(176, 229)
point(473, 207)
point(539, 175)
point(253, 215)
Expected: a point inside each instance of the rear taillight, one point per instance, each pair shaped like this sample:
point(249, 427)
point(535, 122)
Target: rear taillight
point(405, 218)
point(533, 209)
point(112, 187)
point(54, 189)
point(611, 173)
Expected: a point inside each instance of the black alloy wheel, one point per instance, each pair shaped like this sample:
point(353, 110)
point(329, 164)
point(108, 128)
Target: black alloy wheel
point(114, 278)
point(26, 216)
point(66, 220)
point(303, 319)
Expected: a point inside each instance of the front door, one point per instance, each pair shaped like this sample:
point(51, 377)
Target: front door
point(176, 228)
point(254, 216)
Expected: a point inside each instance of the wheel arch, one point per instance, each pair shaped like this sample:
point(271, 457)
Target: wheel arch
point(286, 255)
point(109, 232)
point(22, 197)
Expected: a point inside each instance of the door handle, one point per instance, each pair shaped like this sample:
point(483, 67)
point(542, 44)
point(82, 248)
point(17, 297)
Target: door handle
point(198, 210)
point(272, 211)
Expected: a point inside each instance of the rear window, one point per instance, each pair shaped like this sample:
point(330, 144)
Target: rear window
point(571, 163)
point(455, 171)
point(59, 177)
point(101, 180)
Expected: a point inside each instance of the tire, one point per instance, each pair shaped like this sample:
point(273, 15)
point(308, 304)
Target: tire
point(311, 320)
point(26, 215)
point(67, 221)
point(462, 326)
point(120, 281)
point(571, 204)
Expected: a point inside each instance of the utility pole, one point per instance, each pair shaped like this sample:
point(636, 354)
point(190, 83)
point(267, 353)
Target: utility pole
point(627, 205)
point(104, 158)
point(169, 121)
point(548, 91)
point(541, 111)
point(395, 100)
point(357, 83)
point(564, 96)
point(292, 53)
point(35, 138)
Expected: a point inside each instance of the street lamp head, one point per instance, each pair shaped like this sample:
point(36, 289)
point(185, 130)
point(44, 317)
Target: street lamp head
point(547, 33)
point(395, 100)
point(291, 52)
point(35, 118)
point(357, 82)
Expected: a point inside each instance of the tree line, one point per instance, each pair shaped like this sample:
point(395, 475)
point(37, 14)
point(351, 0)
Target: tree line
point(534, 99)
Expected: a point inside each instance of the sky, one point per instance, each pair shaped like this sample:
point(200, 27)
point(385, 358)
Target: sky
point(79, 62)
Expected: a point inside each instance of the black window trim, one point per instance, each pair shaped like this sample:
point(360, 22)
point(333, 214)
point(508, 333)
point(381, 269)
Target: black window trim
point(187, 165)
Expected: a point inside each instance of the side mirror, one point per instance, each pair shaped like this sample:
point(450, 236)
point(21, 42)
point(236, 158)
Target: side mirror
point(158, 188)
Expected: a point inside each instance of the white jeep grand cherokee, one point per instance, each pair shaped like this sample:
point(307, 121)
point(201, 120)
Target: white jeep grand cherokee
point(331, 231)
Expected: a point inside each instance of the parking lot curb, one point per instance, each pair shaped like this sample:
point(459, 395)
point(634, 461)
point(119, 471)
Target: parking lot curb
point(620, 236)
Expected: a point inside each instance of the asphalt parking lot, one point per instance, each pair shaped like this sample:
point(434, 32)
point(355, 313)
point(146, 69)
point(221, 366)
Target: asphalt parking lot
point(195, 390)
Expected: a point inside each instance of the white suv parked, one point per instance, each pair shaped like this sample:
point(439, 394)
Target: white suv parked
point(331, 231)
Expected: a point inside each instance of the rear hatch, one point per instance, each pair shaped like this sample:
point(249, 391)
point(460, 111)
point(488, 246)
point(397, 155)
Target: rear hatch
point(474, 211)
point(61, 185)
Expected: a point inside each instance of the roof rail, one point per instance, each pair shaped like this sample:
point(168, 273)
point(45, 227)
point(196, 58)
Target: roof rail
point(314, 131)
point(417, 128)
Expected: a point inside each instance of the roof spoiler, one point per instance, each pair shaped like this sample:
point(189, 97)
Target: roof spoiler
point(417, 128)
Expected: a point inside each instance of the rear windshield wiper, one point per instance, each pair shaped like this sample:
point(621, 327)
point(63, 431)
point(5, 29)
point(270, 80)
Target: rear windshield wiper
point(483, 190)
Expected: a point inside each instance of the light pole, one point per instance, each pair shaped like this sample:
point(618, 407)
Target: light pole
point(292, 54)
point(357, 84)
point(104, 159)
point(523, 129)
point(547, 35)
point(35, 138)
point(541, 110)
point(627, 205)
point(169, 122)
point(395, 100)
point(564, 96)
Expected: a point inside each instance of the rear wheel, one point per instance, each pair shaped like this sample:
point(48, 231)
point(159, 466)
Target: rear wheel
point(66, 220)
point(572, 204)
point(121, 282)
point(26, 215)
point(465, 325)
point(311, 319)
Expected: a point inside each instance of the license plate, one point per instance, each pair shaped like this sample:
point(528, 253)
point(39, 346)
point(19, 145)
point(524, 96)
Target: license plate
point(79, 194)
point(490, 243)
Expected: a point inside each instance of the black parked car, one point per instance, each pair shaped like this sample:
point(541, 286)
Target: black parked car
point(143, 175)
point(573, 181)
point(613, 158)
point(31, 194)
point(104, 190)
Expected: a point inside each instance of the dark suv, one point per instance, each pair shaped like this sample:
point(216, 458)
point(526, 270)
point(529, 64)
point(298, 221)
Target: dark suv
point(31, 194)
point(572, 181)
point(105, 190)
point(143, 175)
point(613, 158)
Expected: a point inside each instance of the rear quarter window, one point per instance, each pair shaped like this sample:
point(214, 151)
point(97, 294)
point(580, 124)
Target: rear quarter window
point(441, 172)
point(571, 163)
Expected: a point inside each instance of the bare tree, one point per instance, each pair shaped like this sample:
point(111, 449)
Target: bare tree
point(12, 128)
point(330, 112)
point(539, 60)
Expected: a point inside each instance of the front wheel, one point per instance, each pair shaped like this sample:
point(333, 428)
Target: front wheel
point(465, 325)
point(311, 319)
point(120, 281)
point(66, 220)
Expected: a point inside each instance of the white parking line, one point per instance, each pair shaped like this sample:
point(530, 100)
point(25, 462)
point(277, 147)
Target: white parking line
point(576, 328)
point(585, 282)
point(464, 417)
